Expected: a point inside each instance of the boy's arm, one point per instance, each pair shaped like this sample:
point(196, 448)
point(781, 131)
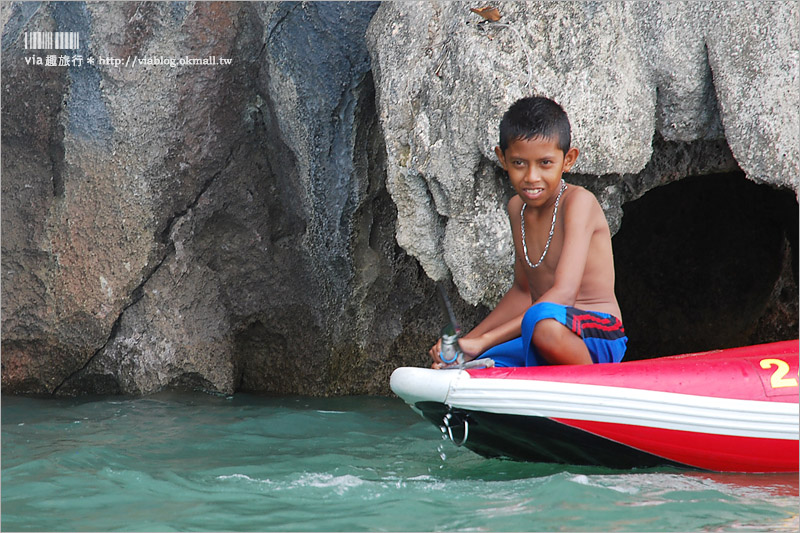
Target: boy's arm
point(580, 223)
point(504, 322)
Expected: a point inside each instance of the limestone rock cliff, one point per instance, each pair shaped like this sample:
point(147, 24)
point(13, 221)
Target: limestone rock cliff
point(213, 227)
point(275, 224)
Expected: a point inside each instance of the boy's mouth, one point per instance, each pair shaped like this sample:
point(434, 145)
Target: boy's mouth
point(533, 192)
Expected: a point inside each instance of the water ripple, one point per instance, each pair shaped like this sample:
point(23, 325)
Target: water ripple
point(187, 462)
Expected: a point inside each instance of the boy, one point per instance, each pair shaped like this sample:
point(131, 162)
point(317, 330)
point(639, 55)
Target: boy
point(561, 308)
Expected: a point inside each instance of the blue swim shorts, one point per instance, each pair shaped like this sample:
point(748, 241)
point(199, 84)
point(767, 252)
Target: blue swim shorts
point(602, 333)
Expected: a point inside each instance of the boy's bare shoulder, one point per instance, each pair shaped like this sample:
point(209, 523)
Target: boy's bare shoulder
point(580, 192)
point(514, 201)
point(582, 203)
point(514, 205)
point(575, 194)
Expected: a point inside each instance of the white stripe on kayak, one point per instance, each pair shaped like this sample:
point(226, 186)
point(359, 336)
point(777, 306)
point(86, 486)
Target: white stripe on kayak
point(600, 403)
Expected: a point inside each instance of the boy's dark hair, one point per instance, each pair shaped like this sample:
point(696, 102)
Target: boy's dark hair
point(532, 117)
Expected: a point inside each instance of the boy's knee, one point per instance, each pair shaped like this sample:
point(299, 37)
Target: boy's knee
point(549, 334)
point(558, 344)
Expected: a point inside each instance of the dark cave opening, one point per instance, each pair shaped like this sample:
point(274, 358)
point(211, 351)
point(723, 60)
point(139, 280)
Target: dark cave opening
point(707, 262)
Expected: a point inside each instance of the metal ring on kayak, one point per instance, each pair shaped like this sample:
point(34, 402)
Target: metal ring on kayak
point(463, 420)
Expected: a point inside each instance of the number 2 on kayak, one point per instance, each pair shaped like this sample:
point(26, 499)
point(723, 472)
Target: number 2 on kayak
point(779, 378)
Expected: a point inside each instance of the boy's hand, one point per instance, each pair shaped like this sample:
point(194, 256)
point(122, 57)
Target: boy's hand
point(434, 354)
point(471, 348)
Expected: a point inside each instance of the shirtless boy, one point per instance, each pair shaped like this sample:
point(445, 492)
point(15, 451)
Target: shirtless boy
point(561, 308)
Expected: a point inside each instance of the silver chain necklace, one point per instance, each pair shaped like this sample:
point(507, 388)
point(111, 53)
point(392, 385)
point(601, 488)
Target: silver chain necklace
point(552, 228)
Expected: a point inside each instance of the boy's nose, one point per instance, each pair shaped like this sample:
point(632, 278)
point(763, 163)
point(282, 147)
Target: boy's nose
point(532, 176)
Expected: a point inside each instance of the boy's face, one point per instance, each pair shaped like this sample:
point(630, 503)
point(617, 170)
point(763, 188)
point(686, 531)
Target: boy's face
point(535, 167)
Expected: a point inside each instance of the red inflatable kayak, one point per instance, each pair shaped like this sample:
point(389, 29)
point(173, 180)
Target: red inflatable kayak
point(733, 410)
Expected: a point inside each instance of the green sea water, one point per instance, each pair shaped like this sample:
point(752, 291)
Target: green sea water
point(248, 463)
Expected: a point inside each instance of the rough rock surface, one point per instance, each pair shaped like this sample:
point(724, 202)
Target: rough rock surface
point(219, 228)
point(236, 227)
point(643, 82)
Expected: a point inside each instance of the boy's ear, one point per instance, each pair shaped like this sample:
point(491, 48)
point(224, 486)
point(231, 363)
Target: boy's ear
point(500, 157)
point(570, 157)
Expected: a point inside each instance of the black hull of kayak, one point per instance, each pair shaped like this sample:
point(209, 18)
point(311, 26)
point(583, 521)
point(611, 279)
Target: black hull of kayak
point(509, 436)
